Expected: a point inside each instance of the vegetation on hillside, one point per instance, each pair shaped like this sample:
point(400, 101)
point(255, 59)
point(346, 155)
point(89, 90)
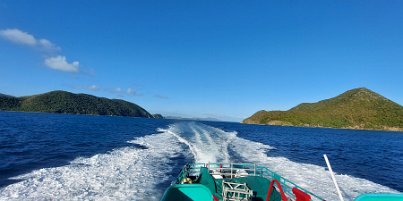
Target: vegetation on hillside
point(158, 116)
point(358, 108)
point(66, 102)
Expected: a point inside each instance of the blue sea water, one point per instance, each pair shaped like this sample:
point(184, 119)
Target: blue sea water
point(77, 157)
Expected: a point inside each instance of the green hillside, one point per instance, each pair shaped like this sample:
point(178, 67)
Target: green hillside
point(66, 102)
point(358, 108)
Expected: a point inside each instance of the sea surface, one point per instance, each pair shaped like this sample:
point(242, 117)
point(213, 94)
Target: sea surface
point(77, 157)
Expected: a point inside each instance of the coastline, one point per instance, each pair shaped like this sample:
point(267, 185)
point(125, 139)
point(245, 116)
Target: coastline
point(387, 129)
point(100, 115)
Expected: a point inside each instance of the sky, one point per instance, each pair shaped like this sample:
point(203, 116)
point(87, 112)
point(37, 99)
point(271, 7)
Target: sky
point(219, 59)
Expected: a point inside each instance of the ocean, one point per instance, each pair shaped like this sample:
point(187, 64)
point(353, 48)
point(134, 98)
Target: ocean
point(78, 157)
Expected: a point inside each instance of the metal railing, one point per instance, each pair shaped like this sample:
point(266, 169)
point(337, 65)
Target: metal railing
point(232, 191)
point(234, 170)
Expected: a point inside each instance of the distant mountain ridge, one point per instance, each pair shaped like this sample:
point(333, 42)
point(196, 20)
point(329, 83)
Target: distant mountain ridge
point(358, 108)
point(193, 118)
point(70, 103)
point(4, 95)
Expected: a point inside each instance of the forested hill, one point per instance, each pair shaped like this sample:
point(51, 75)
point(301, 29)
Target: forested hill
point(358, 108)
point(70, 103)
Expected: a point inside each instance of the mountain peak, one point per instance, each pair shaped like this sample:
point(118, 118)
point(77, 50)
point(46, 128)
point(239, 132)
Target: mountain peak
point(361, 94)
point(356, 108)
point(360, 90)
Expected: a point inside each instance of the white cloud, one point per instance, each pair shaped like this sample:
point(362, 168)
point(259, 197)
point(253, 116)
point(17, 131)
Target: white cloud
point(54, 62)
point(46, 44)
point(121, 92)
point(130, 91)
point(18, 36)
point(60, 63)
point(21, 37)
point(93, 87)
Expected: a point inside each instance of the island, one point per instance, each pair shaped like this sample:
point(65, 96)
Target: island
point(358, 108)
point(70, 103)
point(158, 116)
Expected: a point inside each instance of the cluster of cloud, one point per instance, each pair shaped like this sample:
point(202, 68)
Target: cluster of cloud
point(57, 62)
point(60, 63)
point(93, 87)
point(117, 91)
point(121, 92)
point(24, 38)
point(130, 91)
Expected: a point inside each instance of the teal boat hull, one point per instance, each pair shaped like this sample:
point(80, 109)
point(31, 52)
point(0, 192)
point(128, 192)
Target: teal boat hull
point(380, 197)
point(220, 182)
point(187, 192)
point(243, 181)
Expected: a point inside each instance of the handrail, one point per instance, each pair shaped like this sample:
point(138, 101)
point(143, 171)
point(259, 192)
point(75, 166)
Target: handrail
point(283, 197)
point(229, 169)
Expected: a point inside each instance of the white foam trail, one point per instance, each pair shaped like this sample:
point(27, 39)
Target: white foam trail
point(182, 140)
point(201, 145)
point(208, 143)
point(197, 135)
point(211, 146)
point(133, 174)
point(123, 174)
point(312, 177)
point(207, 135)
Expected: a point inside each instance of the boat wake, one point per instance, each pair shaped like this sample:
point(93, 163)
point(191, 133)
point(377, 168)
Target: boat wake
point(129, 173)
point(144, 170)
point(209, 144)
point(206, 144)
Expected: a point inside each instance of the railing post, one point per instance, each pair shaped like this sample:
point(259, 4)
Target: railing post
point(333, 177)
point(254, 169)
point(231, 171)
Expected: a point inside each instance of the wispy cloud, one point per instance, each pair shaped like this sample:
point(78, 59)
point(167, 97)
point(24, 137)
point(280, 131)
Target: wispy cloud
point(93, 87)
point(130, 91)
point(60, 63)
point(46, 44)
point(56, 62)
point(117, 90)
point(222, 117)
point(124, 91)
point(20, 37)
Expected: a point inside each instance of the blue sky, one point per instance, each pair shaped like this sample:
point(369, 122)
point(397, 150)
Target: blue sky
point(222, 59)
